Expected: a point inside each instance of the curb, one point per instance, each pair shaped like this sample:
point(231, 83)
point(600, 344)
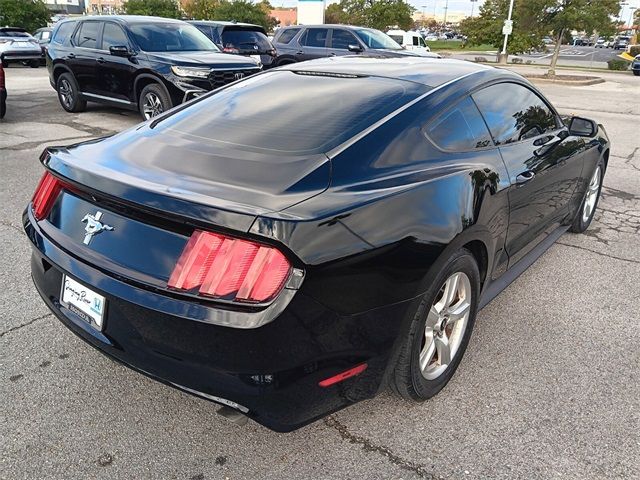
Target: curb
point(580, 83)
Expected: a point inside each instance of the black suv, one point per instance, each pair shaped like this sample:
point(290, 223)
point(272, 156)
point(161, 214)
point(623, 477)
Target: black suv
point(300, 43)
point(135, 62)
point(240, 39)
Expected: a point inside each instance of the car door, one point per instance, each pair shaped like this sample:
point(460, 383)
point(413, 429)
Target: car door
point(83, 58)
point(339, 42)
point(313, 44)
point(115, 74)
point(540, 158)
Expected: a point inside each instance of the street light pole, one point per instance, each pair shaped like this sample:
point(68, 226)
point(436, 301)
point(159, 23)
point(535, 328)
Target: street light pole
point(473, 4)
point(423, 14)
point(506, 35)
point(446, 8)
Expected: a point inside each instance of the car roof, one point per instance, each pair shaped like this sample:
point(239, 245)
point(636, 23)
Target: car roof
point(425, 70)
point(330, 25)
point(225, 23)
point(13, 29)
point(128, 19)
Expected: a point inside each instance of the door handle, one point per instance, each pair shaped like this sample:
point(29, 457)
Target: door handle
point(299, 52)
point(71, 55)
point(332, 54)
point(524, 177)
point(101, 60)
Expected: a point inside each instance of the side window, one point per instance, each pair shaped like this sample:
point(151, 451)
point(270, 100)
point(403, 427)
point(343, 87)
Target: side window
point(87, 35)
point(113, 36)
point(514, 113)
point(63, 32)
point(341, 39)
point(287, 35)
point(315, 37)
point(416, 41)
point(460, 128)
point(206, 29)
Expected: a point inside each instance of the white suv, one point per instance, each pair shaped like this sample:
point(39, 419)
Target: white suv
point(411, 41)
point(17, 45)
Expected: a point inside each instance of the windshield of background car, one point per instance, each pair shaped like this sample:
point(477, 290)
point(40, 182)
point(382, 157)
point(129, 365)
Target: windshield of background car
point(287, 112)
point(377, 39)
point(246, 40)
point(14, 34)
point(171, 37)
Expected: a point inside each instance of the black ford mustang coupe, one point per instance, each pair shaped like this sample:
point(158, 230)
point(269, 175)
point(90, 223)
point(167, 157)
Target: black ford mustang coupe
point(294, 242)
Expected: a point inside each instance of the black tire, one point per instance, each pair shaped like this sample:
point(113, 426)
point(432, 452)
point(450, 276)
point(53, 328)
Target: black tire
point(69, 94)
point(5, 63)
point(582, 220)
point(153, 94)
point(407, 379)
point(34, 63)
point(285, 62)
point(636, 73)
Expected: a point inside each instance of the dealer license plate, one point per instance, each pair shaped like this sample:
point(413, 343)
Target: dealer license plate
point(83, 301)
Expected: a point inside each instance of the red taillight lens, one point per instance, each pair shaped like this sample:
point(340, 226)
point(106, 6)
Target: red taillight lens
point(230, 269)
point(46, 193)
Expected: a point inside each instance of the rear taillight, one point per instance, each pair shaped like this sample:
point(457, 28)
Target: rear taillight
point(46, 193)
point(216, 266)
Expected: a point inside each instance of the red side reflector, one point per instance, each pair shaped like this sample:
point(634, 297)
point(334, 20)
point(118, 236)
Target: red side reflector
point(230, 268)
point(352, 372)
point(45, 195)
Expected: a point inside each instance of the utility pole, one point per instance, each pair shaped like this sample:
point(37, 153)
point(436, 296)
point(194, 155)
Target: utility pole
point(507, 29)
point(446, 7)
point(423, 14)
point(473, 4)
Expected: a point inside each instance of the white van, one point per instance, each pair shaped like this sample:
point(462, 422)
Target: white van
point(412, 41)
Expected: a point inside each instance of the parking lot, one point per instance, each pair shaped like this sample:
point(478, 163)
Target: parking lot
point(549, 387)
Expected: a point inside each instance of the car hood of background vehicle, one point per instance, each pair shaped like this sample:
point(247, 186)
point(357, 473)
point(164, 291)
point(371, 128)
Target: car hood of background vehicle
point(384, 52)
point(168, 164)
point(209, 59)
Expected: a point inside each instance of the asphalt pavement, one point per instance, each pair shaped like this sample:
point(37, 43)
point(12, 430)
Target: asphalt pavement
point(549, 386)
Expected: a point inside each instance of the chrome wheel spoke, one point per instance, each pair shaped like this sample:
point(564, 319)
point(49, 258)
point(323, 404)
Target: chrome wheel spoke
point(432, 317)
point(450, 289)
point(459, 311)
point(427, 353)
point(591, 196)
point(444, 349)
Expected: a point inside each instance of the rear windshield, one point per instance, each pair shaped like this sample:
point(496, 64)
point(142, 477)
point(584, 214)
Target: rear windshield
point(245, 40)
point(13, 33)
point(287, 112)
point(170, 37)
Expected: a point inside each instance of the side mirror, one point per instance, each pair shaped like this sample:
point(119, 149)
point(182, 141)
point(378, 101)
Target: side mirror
point(355, 48)
point(582, 127)
point(120, 51)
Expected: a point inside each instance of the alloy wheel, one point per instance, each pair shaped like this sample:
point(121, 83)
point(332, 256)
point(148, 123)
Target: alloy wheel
point(445, 326)
point(152, 106)
point(592, 196)
point(66, 93)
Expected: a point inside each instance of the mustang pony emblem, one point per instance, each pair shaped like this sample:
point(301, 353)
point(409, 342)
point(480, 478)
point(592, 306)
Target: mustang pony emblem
point(94, 226)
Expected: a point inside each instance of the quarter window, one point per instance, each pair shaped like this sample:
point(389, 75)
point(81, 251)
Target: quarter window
point(514, 113)
point(341, 39)
point(63, 32)
point(287, 35)
point(87, 35)
point(113, 36)
point(315, 37)
point(460, 128)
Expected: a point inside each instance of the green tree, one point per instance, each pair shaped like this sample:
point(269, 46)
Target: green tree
point(201, 9)
point(156, 8)
point(486, 28)
point(560, 16)
point(27, 14)
point(244, 11)
point(380, 14)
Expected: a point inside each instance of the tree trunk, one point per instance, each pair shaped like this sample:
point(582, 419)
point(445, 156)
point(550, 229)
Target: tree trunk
point(556, 53)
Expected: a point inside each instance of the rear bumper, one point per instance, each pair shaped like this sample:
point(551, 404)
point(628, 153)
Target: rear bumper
point(270, 373)
point(18, 55)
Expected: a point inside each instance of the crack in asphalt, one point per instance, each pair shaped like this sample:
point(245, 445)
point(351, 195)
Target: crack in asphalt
point(18, 229)
point(573, 108)
point(30, 322)
point(630, 260)
point(369, 446)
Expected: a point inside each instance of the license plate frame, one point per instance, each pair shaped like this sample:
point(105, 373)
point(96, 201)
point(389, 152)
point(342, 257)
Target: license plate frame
point(84, 302)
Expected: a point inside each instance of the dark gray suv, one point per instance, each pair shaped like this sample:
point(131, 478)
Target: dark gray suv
point(299, 43)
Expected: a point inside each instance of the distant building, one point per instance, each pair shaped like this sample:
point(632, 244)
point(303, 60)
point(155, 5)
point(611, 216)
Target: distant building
point(71, 7)
point(285, 16)
point(452, 17)
point(105, 7)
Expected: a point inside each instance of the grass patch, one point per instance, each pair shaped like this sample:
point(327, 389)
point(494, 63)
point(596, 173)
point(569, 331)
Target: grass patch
point(457, 45)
